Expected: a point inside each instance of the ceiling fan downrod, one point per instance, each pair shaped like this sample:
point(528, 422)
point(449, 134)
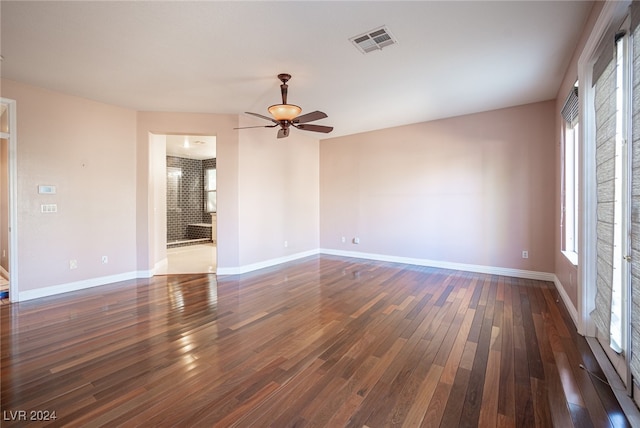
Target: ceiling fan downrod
point(284, 78)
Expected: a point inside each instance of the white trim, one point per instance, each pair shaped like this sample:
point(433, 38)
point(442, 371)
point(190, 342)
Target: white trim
point(74, 286)
point(572, 257)
point(518, 273)
point(264, 264)
point(566, 300)
point(13, 199)
point(611, 11)
point(145, 274)
point(161, 266)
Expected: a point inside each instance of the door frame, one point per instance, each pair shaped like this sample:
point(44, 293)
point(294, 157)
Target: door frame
point(12, 137)
point(612, 15)
point(159, 228)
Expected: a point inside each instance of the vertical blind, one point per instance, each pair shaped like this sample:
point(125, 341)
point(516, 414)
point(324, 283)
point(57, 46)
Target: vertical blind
point(635, 193)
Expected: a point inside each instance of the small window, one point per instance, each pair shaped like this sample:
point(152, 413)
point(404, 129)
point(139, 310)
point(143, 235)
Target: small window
point(570, 176)
point(210, 203)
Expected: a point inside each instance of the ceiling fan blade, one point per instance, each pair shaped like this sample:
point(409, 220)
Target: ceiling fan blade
point(259, 126)
point(315, 128)
point(283, 133)
point(270, 119)
point(310, 117)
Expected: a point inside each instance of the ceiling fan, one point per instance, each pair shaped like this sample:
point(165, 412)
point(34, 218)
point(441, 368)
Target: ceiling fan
point(286, 115)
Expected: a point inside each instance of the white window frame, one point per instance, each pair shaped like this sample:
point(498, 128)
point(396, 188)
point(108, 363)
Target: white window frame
point(620, 285)
point(571, 191)
point(611, 12)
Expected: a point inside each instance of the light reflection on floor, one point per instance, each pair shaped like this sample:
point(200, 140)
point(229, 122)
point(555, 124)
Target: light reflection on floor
point(191, 259)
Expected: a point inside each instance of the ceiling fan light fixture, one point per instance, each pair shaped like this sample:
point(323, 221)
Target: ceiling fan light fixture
point(284, 111)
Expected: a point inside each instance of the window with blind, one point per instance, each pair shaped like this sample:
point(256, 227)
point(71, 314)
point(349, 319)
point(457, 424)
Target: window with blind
point(570, 170)
point(604, 83)
point(612, 96)
point(635, 194)
point(617, 153)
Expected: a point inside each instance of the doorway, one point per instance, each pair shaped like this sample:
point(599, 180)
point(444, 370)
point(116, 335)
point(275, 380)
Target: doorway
point(190, 191)
point(8, 212)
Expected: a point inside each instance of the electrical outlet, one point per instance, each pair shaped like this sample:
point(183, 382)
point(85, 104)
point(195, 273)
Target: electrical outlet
point(356, 240)
point(105, 260)
point(344, 239)
point(73, 264)
point(525, 254)
point(286, 244)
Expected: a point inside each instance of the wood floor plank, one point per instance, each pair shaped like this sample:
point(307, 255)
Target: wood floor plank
point(455, 402)
point(437, 406)
point(424, 394)
point(324, 341)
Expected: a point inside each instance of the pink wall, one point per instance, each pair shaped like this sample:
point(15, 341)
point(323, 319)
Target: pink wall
point(474, 189)
point(219, 125)
point(87, 150)
point(100, 159)
point(279, 193)
point(267, 188)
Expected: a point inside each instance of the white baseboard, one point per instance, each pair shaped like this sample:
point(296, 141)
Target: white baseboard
point(74, 286)
point(160, 267)
point(517, 273)
point(264, 264)
point(145, 274)
point(573, 312)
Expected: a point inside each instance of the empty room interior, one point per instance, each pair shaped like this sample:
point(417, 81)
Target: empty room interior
point(320, 213)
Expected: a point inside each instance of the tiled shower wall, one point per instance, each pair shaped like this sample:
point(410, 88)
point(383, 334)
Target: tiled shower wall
point(185, 195)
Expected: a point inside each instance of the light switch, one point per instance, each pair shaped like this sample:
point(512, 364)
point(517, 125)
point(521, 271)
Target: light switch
point(49, 208)
point(46, 190)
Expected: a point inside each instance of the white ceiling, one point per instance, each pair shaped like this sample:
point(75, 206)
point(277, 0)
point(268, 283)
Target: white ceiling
point(452, 58)
point(191, 146)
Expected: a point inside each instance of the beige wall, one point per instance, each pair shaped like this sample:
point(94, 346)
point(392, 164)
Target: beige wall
point(104, 161)
point(87, 150)
point(158, 174)
point(279, 193)
point(475, 189)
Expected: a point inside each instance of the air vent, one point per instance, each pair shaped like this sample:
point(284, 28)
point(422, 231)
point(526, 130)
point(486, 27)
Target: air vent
point(373, 40)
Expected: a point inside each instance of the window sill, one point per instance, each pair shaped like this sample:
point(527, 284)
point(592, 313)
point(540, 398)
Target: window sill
point(572, 256)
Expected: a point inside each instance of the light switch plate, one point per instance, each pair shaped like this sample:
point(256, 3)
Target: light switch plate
point(46, 189)
point(49, 208)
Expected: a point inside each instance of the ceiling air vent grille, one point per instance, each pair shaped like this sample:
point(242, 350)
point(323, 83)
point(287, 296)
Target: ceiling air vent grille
point(373, 40)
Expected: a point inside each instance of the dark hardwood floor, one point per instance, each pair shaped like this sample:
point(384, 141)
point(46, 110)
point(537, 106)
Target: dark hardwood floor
point(324, 341)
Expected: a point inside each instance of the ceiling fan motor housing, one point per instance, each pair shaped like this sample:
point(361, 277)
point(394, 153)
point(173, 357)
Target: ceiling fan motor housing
point(287, 115)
